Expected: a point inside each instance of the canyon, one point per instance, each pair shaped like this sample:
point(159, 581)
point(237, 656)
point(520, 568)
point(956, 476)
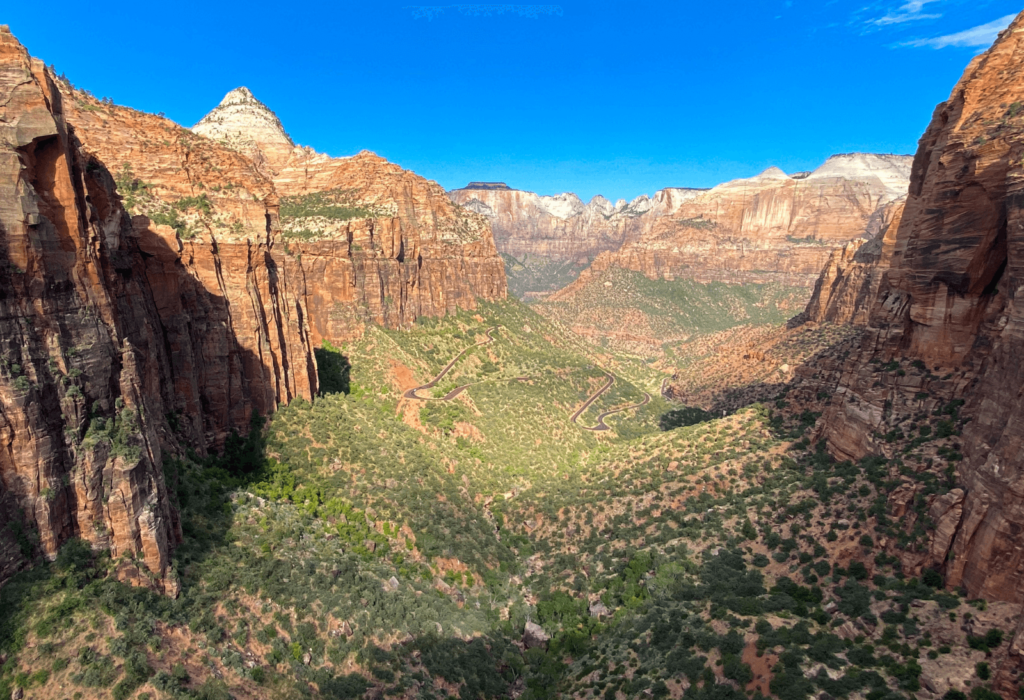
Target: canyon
point(938, 292)
point(942, 289)
point(671, 476)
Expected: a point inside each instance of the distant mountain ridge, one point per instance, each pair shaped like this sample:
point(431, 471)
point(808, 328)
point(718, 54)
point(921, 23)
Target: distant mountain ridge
point(772, 227)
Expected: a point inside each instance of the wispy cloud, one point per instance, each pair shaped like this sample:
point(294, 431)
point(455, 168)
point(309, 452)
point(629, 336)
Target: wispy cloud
point(982, 35)
point(911, 11)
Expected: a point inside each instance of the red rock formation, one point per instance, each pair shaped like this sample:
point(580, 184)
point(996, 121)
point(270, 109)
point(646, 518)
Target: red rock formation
point(770, 228)
point(84, 371)
point(561, 228)
point(373, 242)
point(235, 320)
point(849, 283)
point(113, 322)
point(950, 298)
point(416, 254)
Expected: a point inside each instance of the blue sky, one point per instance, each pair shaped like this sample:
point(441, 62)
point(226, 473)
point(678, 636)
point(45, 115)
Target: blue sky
point(612, 98)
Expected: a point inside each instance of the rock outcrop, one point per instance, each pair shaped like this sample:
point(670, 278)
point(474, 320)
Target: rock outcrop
point(248, 126)
point(560, 228)
point(948, 298)
point(86, 377)
point(850, 280)
point(769, 228)
point(372, 242)
point(150, 304)
point(206, 218)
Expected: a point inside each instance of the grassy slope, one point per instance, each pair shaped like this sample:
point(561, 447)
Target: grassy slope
point(537, 276)
point(625, 310)
point(402, 547)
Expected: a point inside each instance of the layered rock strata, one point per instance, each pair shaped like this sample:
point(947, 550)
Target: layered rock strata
point(86, 377)
point(250, 127)
point(949, 300)
point(560, 228)
point(769, 228)
point(399, 248)
point(149, 287)
point(236, 323)
point(850, 280)
point(371, 241)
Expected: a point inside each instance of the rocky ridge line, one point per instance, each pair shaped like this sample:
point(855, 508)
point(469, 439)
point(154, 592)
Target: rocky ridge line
point(770, 228)
point(375, 242)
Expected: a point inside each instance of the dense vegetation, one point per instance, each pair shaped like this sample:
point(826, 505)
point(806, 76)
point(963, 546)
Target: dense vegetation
point(317, 214)
point(366, 543)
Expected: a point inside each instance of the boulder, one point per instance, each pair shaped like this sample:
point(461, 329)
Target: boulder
point(534, 636)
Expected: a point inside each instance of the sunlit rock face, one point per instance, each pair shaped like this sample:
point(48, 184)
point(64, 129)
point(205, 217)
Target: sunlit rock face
point(769, 228)
point(369, 240)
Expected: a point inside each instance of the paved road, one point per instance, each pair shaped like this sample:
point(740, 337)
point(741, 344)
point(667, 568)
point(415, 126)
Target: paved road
point(411, 393)
point(600, 427)
point(586, 404)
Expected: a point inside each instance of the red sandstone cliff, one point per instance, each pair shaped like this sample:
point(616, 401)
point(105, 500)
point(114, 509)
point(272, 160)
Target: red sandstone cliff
point(371, 241)
point(85, 371)
point(850, 280)
point(179, 302)
point(235, 320)
point(948, 295)
point(769, 228)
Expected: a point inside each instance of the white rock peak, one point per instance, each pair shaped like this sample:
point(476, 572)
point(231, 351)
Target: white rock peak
point(562, 206)
point(892, 170)
point(241, 119)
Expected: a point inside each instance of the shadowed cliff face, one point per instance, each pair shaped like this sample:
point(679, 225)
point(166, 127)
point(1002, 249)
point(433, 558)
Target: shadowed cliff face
point(153, 295)
point(221, 286)
point(944, 288)
point(84, 368)
point(113, 329)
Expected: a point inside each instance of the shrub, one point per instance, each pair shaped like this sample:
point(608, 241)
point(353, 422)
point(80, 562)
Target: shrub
point(684, 417)
point(857, 570)
point(983, 693)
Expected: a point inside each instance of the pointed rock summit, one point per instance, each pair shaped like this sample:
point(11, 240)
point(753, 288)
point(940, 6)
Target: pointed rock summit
point(248, 126)
point(893, 171)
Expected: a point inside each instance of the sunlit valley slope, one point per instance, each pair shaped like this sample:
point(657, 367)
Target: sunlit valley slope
point(271, 426)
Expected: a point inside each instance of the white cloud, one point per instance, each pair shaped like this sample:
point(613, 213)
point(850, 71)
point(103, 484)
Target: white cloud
point(908, 12)
point(982, 35)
